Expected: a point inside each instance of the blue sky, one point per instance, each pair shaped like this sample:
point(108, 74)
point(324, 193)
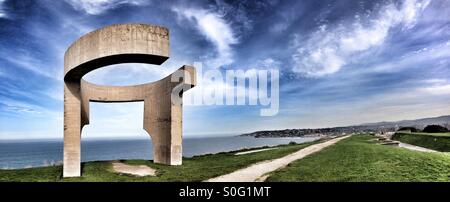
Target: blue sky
point(341, 62)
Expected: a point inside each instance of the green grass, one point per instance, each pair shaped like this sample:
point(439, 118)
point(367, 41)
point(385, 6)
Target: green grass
point(359, 158)
point(197, 168)
point(435, 141)
point(433, 134)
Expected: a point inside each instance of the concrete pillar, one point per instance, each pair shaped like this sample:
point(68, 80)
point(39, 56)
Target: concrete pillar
point(162, 120)
point(72, 130)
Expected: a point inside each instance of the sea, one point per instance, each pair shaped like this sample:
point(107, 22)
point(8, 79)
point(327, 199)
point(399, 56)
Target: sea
point(15, 154)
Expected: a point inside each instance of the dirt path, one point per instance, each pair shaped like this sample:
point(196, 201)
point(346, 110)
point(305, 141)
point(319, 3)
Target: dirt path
point(138, 170)
point(259, 170)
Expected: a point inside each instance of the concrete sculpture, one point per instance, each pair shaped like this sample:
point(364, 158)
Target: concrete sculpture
point(124, 43)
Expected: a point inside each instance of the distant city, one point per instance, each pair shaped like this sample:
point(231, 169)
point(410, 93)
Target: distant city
point(380, 127)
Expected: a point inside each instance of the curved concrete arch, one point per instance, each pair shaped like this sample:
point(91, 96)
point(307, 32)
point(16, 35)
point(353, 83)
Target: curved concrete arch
point(120, 43)
point(124, 43)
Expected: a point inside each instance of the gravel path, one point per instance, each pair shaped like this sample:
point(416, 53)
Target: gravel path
point(415, 148)
point(253, 151)
point(259, 170)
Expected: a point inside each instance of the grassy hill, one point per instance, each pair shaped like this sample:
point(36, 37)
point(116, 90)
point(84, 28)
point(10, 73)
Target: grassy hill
point(435, 141)
point(359, 158)
point(197, 168)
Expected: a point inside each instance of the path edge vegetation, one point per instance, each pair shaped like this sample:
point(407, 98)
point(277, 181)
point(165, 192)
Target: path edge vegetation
point(361, 158)
point(434, 141)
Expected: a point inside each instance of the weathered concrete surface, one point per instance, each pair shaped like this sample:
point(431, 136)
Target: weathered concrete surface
point(124, 43)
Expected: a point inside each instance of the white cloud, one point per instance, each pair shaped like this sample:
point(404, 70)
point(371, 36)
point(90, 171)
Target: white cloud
point(411, 11)
point(434, 81)
point(216, 30)
point(269, 63)
point(318, 62)
point(96, 7)
point(3, 13)
point(437, 89)
point(328, 50)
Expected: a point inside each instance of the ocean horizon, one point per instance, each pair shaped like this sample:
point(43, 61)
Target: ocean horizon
point(27, 153)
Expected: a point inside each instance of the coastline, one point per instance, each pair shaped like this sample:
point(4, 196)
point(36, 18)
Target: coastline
point(42, 153)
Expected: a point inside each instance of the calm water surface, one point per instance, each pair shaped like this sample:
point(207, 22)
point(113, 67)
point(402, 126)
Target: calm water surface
point(21, 154)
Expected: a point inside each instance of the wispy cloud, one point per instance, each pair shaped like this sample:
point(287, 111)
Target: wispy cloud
point(128, 74)
point(3, 13)
point(22, 109)
point(19, 106)
point(116, 119)
point(431, 54)
point(438, 87)
point(96, 7)
point(216, 30)
point(26, 61)
point(330, 48)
